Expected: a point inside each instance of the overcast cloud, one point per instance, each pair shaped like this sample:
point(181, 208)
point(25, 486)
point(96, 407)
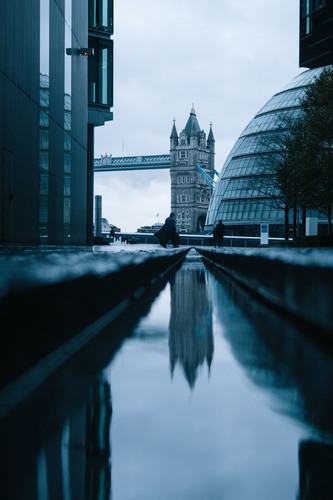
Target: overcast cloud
point(228, 57)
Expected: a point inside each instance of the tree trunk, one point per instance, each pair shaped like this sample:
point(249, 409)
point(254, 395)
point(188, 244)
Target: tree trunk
point(286, 223)
point(294, 221)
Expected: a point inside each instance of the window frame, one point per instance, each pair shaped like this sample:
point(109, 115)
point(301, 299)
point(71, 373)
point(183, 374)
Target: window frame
point(96, 75)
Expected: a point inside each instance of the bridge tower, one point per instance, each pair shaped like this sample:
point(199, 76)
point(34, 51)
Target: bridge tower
point(190, 191)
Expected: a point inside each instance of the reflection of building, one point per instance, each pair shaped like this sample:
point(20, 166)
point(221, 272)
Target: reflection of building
point(243, 197)
point(70, 458)
point(46, 124)
point(98, 452)
point(190, 329)
point(190, 191)
point(315, 470)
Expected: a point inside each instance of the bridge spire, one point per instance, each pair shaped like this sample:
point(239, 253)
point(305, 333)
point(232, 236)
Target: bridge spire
point(174, 134)
point(210, 135)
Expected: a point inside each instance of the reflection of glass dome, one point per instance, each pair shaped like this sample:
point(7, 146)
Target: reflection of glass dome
point(237, 199)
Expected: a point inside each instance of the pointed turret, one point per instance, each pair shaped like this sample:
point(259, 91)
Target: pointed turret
point(192, 126)
point(211, 149)
point(194, 130)
point(173, 137)
point(174, 134)
point(210, 135)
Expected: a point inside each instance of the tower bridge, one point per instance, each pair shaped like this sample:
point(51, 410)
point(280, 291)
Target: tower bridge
point(192, 168)
point(108, 163)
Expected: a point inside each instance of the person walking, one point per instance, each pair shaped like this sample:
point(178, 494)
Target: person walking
point(219, 232)
point(168, 232)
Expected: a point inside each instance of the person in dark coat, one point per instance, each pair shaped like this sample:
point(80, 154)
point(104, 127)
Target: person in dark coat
point(168, 232)
point(218, 233)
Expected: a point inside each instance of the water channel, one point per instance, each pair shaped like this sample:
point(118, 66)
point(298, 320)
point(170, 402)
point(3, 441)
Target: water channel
point(199, 393)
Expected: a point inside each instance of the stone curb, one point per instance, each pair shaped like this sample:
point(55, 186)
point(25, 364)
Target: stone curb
point(37, 321)
point(305, 291)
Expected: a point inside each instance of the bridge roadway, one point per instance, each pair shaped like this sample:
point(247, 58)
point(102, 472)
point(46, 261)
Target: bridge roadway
point(109, 163)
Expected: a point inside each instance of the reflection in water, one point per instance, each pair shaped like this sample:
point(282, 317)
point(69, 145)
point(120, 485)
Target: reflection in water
point(98, 452)
point(277, 355)
point(190, 328)
point(75, 461)
point(223, 441)
point(316, 466)
point(55, 444)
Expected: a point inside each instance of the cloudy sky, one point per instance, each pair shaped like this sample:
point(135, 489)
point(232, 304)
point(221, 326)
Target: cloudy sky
point(228, 57)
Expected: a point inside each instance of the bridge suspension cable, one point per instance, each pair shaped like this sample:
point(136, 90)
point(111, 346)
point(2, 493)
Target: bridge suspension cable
point(206, 176)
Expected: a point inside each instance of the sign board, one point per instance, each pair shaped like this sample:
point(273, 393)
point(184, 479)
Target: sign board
point(264, 234)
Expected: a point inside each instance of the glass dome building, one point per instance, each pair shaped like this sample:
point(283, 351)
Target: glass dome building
point(238, 198)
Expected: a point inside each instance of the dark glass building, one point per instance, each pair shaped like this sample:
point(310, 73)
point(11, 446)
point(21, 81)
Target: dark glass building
point(316, 33)
point(56, 81)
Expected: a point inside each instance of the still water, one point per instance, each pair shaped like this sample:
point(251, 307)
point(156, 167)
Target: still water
point(208, 396)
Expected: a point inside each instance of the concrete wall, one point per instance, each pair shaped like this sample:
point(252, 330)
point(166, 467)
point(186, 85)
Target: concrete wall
point(67, 302)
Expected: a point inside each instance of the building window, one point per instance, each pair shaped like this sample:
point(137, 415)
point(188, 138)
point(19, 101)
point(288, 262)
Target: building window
point(101, 15)
point(44, 67)
point(307, 19)
point(182, 155)
point(319, 4)
point(100, 72)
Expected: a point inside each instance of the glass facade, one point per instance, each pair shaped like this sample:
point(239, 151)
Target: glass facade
point(238, 198)
point(100, 70)
point(44, 122)
point(67, 123)
point(100, 78)
point(44, 68)
point(101, 15)
point(316, 33)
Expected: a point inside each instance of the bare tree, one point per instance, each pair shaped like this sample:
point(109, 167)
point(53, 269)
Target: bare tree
point(296, 160)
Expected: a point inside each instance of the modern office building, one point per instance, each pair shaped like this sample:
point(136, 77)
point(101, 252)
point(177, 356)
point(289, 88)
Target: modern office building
point(316, 33)
point(190, 191)
point(47, 120)
point(239, 198)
